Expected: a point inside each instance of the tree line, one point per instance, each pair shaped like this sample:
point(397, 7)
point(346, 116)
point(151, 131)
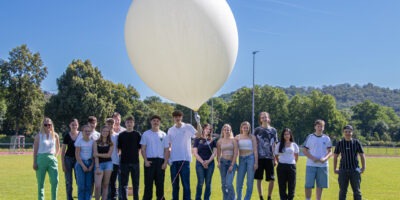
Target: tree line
point(82, 92)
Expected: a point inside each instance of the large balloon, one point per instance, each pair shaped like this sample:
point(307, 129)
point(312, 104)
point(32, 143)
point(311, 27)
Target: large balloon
point(182, 49)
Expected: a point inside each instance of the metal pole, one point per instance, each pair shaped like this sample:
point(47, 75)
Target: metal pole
point(252, 113)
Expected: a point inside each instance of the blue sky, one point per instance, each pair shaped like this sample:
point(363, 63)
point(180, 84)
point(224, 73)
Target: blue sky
point(301, 42)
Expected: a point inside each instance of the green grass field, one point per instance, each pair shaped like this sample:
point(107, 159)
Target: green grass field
point(380, 181)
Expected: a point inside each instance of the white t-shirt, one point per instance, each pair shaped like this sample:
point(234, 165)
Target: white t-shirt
point(94, 136)
point(287, 157)
point(86, 152)
point(155, 143)
point(318, 147)
point(181, 143)
point(114, 139)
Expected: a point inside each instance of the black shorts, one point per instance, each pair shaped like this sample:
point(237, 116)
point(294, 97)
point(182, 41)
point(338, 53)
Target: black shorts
point(266, 165)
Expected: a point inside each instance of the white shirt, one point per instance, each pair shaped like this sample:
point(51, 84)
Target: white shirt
point(180, 140)
point(318, 147)
point(46, 145)
point(287, 155)
point(155, 143)
point(114, 139)
point(86, 152)
point(94, 136)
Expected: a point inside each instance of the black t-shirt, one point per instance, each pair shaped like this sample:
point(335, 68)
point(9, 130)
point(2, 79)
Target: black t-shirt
point(348, 151)
point(204, 148)
point(70, 145)
point(129, 144)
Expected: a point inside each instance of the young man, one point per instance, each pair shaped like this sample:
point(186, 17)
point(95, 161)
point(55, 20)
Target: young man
point(92, 123)
point(349, 170)
point(153, 149)
point(179, 139)
point(317, 148)
point(129, 146)
point(266, 136)
point(117, 129)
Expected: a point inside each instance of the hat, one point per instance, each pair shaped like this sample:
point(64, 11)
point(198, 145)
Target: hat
point(348, 127)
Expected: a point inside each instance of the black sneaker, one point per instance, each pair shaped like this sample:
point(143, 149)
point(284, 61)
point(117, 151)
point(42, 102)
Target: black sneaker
point(261, 198)
point(269, 198)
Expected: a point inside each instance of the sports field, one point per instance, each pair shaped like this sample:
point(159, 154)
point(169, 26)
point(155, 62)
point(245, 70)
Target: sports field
point(381, 181)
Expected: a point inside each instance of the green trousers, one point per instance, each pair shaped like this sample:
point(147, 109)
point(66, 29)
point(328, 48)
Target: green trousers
point(47, 163)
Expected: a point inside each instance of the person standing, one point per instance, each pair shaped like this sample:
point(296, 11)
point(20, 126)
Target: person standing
point(84, 164)
point(266, 139)
point(129, 146)
point(179, 138)
point(248, 160)
point(115, 122)
point(68, 156)
point(349, 171)
point(205, 150)
point(92, 124)
point(317, 148)
point(227, 151)
point(46, 147)
point(287, 154)
point(153, 150)
point(102, 150)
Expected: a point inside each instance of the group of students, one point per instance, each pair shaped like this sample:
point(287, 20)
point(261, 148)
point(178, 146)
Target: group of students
point(100, 159)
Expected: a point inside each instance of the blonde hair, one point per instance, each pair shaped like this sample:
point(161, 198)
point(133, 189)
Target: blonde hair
point(49, 121)
point(245, 123)
point(266, 113)
point(230, 132)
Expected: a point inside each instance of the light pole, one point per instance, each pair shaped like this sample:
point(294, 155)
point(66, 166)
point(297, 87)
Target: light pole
point(252, 108)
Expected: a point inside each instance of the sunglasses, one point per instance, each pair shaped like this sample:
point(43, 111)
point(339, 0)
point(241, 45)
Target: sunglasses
point(47, 125)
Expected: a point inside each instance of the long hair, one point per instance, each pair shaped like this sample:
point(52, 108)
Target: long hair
point(282, 143)
point(230, 132)
point(203, 128)
point(47, 120)
point(243, 124)
point(108, 141)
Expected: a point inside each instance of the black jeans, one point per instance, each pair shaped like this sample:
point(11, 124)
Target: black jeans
point(155, 174)
point(352, 176)
point(113, 190)
point(286, 179)
point(133, 169)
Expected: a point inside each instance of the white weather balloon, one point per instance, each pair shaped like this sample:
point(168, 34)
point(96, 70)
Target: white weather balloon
point(183, 49)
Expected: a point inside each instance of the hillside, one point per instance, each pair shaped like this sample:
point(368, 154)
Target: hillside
point(348, 95)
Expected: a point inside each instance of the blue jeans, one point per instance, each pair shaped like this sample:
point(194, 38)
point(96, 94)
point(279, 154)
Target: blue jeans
point(134, 170)
point(182, 169)
point(227, 179)
point(246, 165)
point(69, 163)
point(84, 180)
point(352, 176)
point(204, 175)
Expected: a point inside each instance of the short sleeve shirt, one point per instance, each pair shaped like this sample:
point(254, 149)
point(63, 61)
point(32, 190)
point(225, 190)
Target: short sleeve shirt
point(86, 151)
point(318, 147)
point(180, 140)
point(155, 143)
point(67, 140)
point(204, 147)
point(348, 151)
point(266, 138)
point(287, 155)
point(129, 144)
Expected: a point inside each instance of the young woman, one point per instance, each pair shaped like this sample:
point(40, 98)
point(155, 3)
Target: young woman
point(68, 155)
point(227, 151)
point(287, 153)
point(102, 150)
point(248, 160)
point(46, 147)
point(84, 164)
point(204, 149)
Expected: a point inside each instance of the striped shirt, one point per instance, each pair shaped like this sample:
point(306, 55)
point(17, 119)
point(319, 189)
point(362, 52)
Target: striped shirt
point(348, 151)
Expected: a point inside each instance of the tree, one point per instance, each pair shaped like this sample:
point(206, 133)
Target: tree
point(365, 116)
point(21, 77)
point(82, 92)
